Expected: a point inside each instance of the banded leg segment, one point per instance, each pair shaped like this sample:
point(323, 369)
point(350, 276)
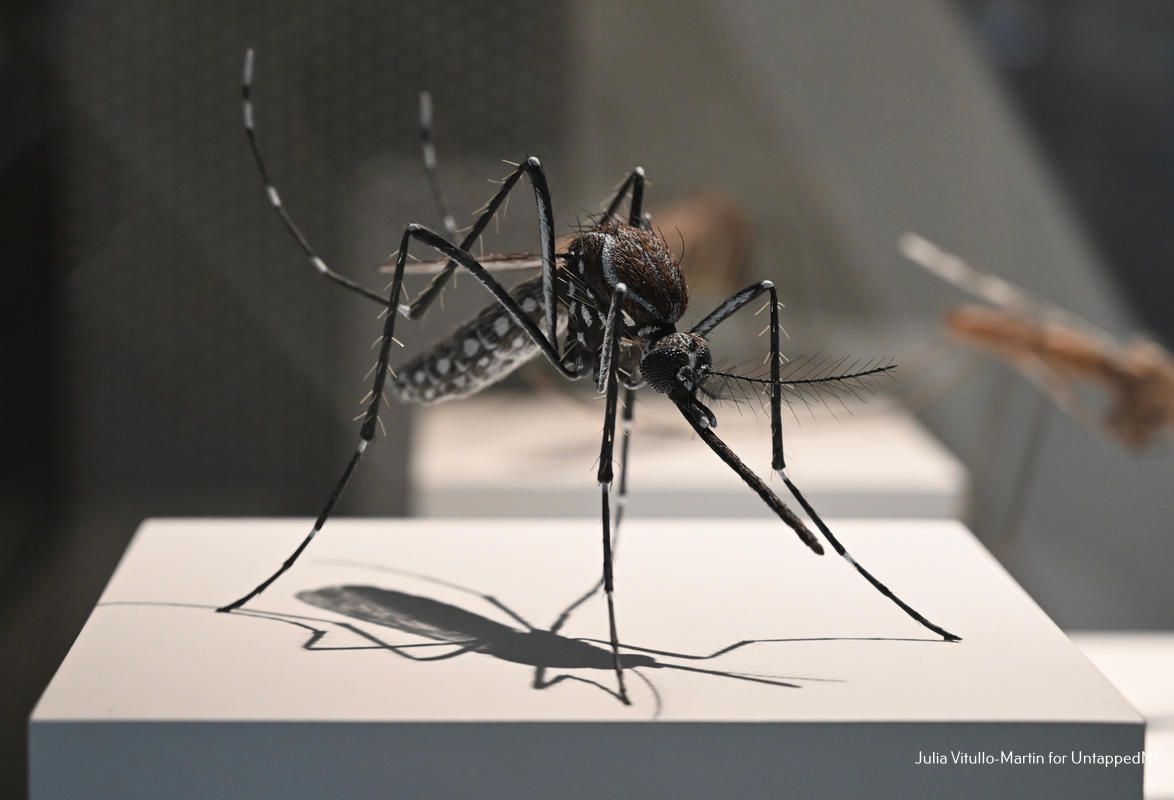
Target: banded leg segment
point(275, 199)
point(428, 148)
point(626, 422)
point(371, 417)
point(629, 414)
point(633, 184)
point(532, 169)
point(778, 461)
point(726, 310)
point(366, 434)
point(868, 576)
point(609, 371)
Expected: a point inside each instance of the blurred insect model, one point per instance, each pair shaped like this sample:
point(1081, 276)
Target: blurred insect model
point(606, 305)
point(1056, 350)
point(1063, 356)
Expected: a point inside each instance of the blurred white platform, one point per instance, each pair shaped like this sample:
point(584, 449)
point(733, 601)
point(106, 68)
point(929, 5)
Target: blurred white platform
point(1141, 665)
point(322, 687)
point(525, 455)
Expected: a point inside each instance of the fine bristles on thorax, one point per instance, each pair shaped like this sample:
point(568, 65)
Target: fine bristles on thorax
point(612, 252)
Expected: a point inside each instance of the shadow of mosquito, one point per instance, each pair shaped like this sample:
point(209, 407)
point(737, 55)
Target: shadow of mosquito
point(543, 648)
point(465, 632)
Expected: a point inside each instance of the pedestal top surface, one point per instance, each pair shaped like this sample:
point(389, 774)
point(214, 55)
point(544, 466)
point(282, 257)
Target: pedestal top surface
point(422, 620)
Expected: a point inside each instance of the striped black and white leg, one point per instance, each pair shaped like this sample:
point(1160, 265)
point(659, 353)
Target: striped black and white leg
point(430, 166)
point(633, 184)
point(460, 257)
point(621, 502)
point(778, 461)
point(366, 434)
point(531, 168)
point(627, 419)
point(609, 374)
point(275, 199)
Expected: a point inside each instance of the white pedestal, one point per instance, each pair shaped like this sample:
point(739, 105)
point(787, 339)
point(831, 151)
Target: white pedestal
point(304, 696)
point(522, 455)
point(1141, 665)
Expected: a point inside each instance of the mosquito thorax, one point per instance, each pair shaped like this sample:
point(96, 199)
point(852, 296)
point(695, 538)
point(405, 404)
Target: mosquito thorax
point(613, 252)
point(675, 364)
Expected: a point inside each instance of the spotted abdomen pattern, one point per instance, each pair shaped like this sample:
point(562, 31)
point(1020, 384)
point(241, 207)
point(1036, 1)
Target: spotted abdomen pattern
point(476, 355)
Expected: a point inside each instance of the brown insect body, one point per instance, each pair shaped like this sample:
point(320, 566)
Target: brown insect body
point(1139, 376)
point(1070, 352)
point(1056, 349)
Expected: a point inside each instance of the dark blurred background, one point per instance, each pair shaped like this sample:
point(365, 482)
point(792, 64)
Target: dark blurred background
point(167, 353)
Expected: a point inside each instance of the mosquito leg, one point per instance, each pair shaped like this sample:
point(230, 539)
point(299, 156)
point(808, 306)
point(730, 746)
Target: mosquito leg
point(366, 434)
point(275, 199)
point(370, 419)
point(628, 415)
point(626, 420)
point(608, 371)
point(532, 169)
point(784, 512)
point(778, 461)
point(868, 576)
point(429, 151)
point(462, 258)
point(733, 305)
point(634, 183)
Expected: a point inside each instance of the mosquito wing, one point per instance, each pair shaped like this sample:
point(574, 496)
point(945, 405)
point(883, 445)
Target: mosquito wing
point(496, 262)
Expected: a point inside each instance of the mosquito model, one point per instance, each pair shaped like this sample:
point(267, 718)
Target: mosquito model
point(1055, 350)
point(606, 305)
point(1059, 353)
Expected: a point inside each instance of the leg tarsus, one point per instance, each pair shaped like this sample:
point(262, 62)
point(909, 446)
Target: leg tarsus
point(876, 584)
point(608, 373)
point(634, 183)
point(615, 647)
point(778, 462)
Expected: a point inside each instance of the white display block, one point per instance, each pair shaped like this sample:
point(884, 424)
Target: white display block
point(320, 689)
point(534, 455)
point(1141, 665)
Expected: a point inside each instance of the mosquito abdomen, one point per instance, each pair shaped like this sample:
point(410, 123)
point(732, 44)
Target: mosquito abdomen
point(477, 354)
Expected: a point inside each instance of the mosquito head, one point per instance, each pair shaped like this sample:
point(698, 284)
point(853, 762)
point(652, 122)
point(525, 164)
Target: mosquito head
point(677, 364)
